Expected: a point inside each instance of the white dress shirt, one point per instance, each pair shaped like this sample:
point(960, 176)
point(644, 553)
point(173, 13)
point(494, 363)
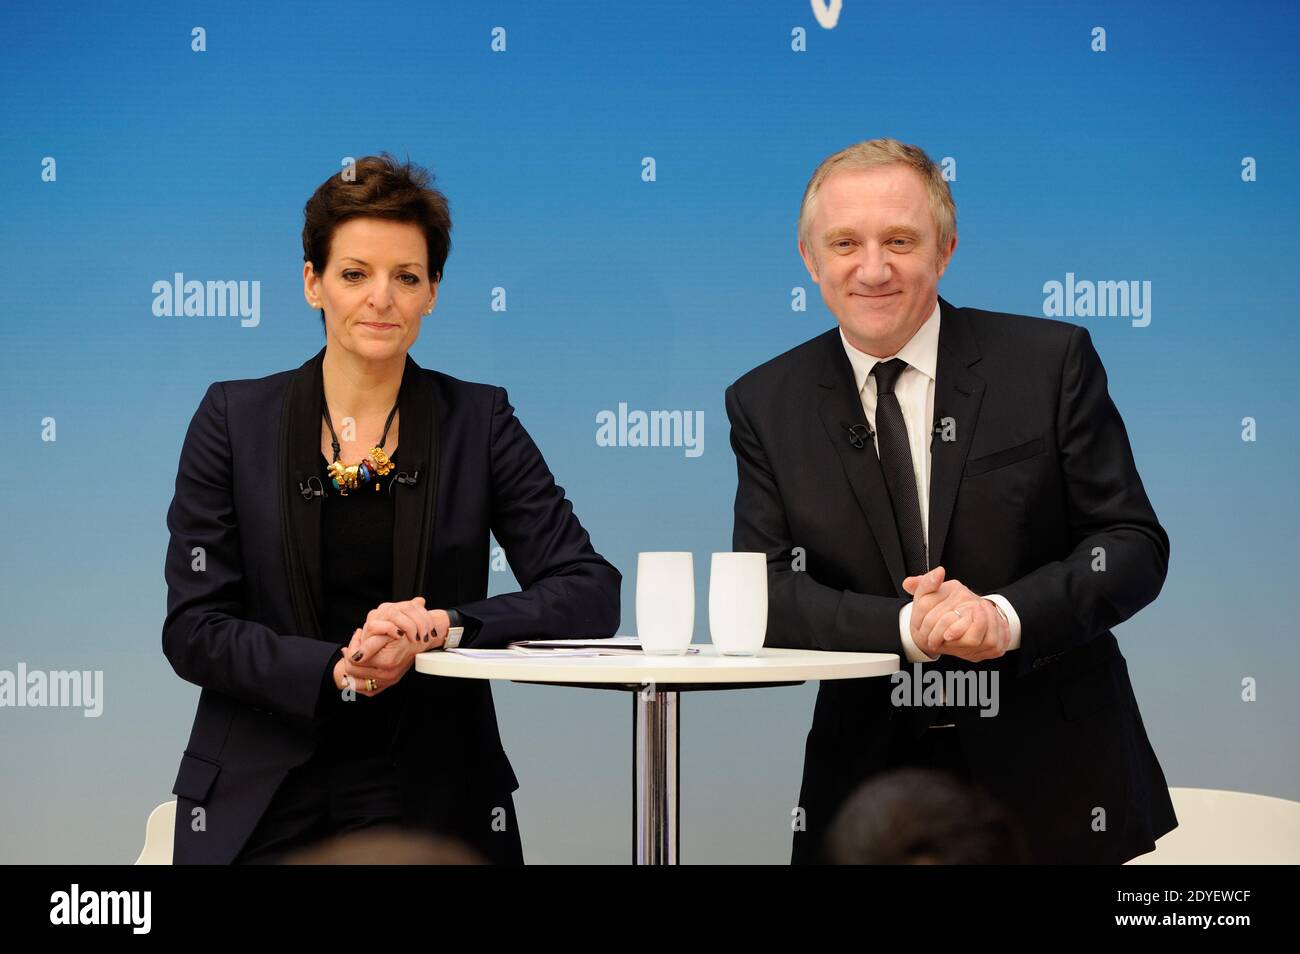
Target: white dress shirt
point(915, 392)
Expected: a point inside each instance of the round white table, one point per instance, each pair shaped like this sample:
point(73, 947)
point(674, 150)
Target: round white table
point(655, 682)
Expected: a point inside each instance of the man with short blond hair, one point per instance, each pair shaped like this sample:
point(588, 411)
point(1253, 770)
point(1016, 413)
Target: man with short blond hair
point(957, 487)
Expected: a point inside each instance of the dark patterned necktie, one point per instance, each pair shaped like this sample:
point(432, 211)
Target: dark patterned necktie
point(896, 461)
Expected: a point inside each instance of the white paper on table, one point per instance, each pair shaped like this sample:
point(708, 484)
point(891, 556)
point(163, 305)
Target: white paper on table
point(622, 644)
point(516, 651)
point(611, 646)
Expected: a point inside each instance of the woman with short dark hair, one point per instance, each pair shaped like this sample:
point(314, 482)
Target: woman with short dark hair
point(330, 523)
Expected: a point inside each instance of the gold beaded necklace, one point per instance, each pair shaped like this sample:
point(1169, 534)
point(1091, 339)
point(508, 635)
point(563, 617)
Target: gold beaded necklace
point(368, 469)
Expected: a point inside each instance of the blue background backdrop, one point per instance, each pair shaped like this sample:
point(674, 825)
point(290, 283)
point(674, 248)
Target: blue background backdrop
point(1121, 165)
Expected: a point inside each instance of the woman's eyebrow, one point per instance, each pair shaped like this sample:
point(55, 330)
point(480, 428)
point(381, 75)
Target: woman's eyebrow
point(349, 258)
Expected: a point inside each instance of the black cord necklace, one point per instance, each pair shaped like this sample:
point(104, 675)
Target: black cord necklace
point(368, 469)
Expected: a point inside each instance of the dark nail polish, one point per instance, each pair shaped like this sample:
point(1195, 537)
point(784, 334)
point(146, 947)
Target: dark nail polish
point(356, 657)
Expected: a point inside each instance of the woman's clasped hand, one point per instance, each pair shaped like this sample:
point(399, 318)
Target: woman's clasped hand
point(385, 647)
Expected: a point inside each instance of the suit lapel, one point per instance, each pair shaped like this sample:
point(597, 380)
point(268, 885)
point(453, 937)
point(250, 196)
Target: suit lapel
point(300, 458)
point(413, 503)
point(958, 393)
point(840, 406)
point(303, 496)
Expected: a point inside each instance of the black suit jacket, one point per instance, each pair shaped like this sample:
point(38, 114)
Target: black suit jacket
point(244, 623)
point(1039, 480)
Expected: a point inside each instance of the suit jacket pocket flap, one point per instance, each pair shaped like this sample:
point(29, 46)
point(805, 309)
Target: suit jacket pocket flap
point(195, 778)
point(1012, 455)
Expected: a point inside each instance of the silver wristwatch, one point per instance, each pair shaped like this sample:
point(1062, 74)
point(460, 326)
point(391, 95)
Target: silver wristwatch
point(455, 632)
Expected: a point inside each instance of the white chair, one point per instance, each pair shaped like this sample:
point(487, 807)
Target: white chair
point(158, 833)
point(1228, 828)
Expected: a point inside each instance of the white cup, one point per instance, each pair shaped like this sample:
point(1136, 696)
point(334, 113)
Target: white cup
point(738, 603)
point(665, 602)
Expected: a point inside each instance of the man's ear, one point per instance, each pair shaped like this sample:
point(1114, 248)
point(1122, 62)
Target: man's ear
point(809, 262)
point(946, 256)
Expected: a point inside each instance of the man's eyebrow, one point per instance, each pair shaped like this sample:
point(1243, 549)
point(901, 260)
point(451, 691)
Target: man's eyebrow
point(831, 234)
point(349, 258)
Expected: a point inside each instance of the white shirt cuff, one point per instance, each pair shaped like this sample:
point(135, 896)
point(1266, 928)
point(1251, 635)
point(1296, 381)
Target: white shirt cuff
point(910, 649)
point(1013, 621)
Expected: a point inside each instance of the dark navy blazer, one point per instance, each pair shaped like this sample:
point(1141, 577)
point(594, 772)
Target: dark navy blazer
point(243, 595)
point(1037, 485)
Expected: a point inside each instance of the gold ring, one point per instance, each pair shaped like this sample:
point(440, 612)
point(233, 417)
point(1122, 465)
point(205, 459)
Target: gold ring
point(370, 683)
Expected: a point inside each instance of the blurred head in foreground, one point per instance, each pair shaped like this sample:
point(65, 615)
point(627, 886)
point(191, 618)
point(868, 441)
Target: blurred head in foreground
point(385, 845)
point(919, 817)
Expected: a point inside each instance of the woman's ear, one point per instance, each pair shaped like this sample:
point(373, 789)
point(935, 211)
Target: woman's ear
point(311, 285)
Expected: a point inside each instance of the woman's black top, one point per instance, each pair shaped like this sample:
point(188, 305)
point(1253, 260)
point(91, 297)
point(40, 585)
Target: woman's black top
point(356, 576)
